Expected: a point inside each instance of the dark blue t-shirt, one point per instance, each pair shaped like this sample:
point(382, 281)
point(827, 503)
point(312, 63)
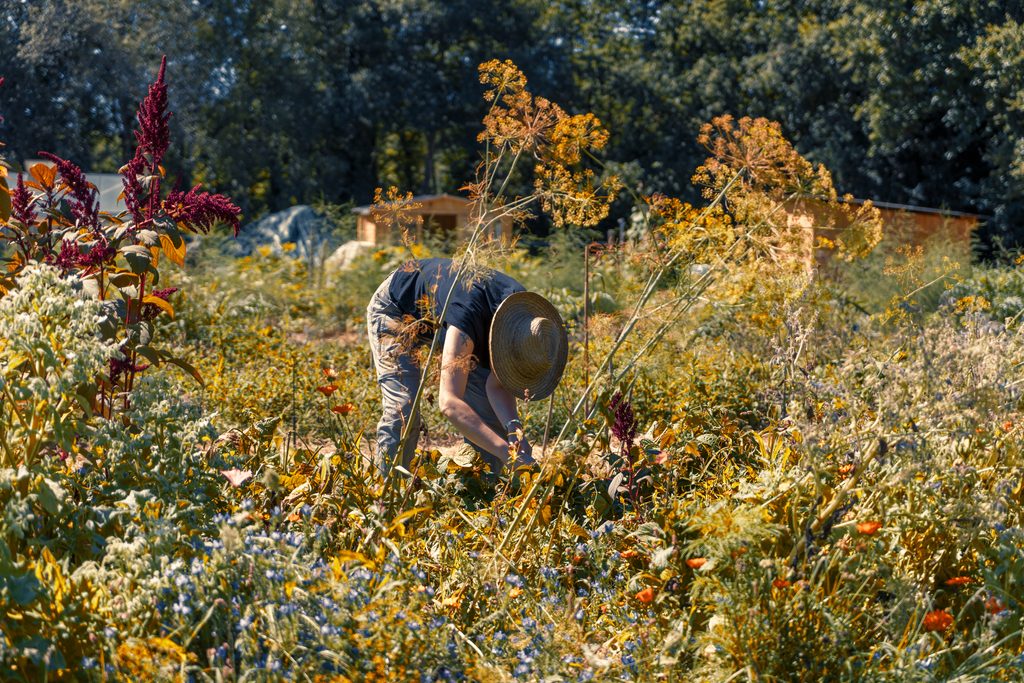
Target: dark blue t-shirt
point(420, 287)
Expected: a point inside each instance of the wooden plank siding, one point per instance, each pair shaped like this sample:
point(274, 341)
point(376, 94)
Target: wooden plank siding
point(446, 213)
point(914, 224)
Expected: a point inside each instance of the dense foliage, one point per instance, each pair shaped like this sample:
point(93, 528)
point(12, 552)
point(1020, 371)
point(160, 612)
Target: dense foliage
point(292, 102)
point(756, 464)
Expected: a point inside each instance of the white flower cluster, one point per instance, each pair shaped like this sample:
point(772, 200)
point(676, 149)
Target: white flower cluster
point(50, 342)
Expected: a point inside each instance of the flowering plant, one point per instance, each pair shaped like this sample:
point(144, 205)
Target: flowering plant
point(53, 217)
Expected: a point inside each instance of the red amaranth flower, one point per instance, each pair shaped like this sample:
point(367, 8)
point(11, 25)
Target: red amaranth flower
point(71, 256)
point(21, 203)
point(151, 311)
point(199, 211)
point(154, 135)
point(67, 259)
point(99, 253)
point(119, 366)
point(624, 426)
point(133, 186)
point(84, 205)
point(163, 293)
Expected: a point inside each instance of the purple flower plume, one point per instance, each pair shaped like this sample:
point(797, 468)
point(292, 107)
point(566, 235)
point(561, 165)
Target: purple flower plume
point(624, 426)
point(133, 186)
point(71, 257)
point(151, 311)
point(154, 135)
point(21, 203)
point(199, 211)
point(84, 205)
point(119, 366)
point(153, 138)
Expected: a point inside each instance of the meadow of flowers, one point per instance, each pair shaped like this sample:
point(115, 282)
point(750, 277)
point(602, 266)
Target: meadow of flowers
point(782, 450)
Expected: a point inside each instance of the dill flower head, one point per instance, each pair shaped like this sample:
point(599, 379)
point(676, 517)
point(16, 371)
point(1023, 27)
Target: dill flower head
point(502, 77)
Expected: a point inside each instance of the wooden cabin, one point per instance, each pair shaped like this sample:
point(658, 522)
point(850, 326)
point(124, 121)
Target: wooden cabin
point(919, 223)
point(911, 225)
point(442, 216)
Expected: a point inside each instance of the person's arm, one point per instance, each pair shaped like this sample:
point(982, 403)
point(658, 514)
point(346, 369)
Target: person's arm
point(455, 368)
point(504, 405)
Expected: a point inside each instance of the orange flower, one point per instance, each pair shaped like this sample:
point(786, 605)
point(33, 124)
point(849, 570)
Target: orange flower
point(868, 528)
point(294, 517)
point(327, 389)
point(780, 583)
point(646, 596)
point(958, 581)
point(696, 562)
point(629, 554)
point(994, 605)
point(937, 620)
point(1007, 426)
point(343, 409)
point(330, 373)
point(846, 469)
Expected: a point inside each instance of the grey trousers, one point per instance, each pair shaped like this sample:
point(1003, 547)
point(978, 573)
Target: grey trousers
point(399, 380)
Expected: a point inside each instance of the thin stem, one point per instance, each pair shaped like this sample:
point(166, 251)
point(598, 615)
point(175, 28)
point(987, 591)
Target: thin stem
point(635, 317)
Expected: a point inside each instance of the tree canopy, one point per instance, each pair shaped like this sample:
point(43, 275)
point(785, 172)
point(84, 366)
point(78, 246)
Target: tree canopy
point(305, 100)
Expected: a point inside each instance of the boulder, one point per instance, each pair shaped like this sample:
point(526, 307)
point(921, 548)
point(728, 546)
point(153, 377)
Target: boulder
point(300, 225)
point(343, 256)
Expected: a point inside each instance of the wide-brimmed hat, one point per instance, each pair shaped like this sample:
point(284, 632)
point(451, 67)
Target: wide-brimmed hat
point(528, 345)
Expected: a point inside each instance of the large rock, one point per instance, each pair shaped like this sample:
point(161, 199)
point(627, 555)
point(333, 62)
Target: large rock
point(343, 256)
point(300, 225)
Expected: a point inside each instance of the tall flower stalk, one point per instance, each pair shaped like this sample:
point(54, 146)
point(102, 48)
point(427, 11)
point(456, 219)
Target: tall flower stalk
point(518, 127)
point(114, 256)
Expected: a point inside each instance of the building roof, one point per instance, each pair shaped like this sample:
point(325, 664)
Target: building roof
point(418, 199)
point(910, 208)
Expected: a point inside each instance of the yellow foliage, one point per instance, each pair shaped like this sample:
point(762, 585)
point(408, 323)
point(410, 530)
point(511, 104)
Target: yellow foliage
point(152, 659)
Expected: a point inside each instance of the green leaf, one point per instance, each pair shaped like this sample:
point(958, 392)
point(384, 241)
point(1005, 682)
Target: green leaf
point(139, 258)
point(123, 279)
point(613, 486)
point(149, 238)
point(85, 403)
point(187, 367)
point(464, 456)
point(23, 589)
point(150, 354)
point(51, 495)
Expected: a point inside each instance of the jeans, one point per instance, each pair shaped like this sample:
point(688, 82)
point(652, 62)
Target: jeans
point(399, 379)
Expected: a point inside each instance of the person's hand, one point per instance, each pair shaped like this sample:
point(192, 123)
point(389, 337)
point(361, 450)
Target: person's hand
point(524, 454)
point(520, 452)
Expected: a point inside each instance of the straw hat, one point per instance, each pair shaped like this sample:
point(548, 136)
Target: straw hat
point(528, 345)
